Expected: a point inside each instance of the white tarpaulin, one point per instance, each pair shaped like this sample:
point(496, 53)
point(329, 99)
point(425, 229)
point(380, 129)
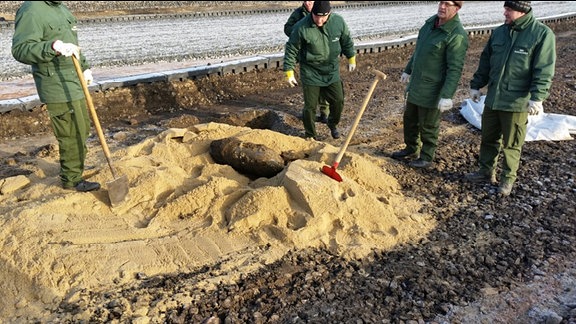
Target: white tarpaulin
point(543, 127)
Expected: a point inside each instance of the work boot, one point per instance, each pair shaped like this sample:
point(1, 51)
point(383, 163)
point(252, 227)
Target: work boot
point(421, 164)
point(481, 177)
point(84, 186)
point(505, 189)
point(334, 132)
point(322, 118)
point(404, 153)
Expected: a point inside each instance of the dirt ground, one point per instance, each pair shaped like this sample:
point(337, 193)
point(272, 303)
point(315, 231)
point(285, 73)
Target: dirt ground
point(491, 259)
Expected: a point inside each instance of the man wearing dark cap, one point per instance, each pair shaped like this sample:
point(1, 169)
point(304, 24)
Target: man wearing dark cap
point(295, 17)
point(432, 74)
point(517, 65)
point(316, 42)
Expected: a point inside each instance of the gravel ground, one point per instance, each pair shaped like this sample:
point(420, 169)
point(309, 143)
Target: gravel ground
point(490, 260)
point(125, 43)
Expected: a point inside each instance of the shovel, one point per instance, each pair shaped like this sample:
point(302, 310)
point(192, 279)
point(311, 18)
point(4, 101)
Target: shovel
point(117, 188)
point(331, 171)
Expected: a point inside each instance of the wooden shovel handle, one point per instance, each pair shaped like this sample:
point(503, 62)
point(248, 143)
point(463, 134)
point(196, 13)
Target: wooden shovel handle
point(379, 76)
point(93, 114)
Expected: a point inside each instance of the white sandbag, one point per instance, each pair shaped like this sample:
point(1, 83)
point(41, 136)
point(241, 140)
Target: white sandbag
point(472, 111)
point(543, 127)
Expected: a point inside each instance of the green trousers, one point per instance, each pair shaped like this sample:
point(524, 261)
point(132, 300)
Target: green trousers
point(71, 126)
point(421, 128)
point(333, 94)
point(323, 106)
point(502, 131)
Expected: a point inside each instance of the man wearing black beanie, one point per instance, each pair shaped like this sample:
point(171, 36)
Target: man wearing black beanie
point(520, 6)
point(316, 42)
point(517, 65)
point(296, 16)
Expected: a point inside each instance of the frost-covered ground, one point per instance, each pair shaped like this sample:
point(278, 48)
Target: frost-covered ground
point(191, 38)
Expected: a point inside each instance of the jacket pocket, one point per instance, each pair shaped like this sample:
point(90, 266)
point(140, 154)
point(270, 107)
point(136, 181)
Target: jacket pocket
point(519, 133)
point(58, 27)
point(431, 76)
point(518, 86)
point(59, 110)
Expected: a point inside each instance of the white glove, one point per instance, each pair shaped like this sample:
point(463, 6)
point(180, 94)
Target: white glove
point(66, 49)
point(404, 77)
point(88, 76)
point(352, 64)
point(475, 95)
point(290, 78)
point(445, 104)
point(535, 107)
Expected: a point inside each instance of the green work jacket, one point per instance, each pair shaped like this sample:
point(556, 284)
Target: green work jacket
point(295, 17)
point(517, 64)
point(318, 50)
point(38, 24)
point(436, 65)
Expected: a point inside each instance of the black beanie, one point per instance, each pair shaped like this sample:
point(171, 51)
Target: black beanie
point(321, 8)
point(522, 6)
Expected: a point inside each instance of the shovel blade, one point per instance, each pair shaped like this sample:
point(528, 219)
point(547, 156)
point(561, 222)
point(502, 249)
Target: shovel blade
point(331, 172)
point(117, 190)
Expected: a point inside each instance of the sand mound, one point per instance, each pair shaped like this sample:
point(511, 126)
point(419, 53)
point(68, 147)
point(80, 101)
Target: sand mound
point(185, 211)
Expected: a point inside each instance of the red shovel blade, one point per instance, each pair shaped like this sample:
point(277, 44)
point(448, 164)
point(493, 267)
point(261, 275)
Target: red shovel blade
point(331, 172)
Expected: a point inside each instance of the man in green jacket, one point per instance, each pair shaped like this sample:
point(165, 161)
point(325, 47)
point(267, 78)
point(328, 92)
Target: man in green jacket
point(316, 43)
point(45, 37)
point(517, 64)
point(295, 17)
point(432, 75)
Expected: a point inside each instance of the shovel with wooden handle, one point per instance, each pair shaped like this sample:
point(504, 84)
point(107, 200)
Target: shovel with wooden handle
point(117, 188)
point(331, 170)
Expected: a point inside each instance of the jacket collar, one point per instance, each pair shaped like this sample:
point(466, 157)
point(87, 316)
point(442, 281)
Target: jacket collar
point(311, 20)
point(522, 22)
point(449, 26)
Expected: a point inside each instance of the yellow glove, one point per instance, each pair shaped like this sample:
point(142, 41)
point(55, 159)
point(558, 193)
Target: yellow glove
point(290, 78)
point(352, 64)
